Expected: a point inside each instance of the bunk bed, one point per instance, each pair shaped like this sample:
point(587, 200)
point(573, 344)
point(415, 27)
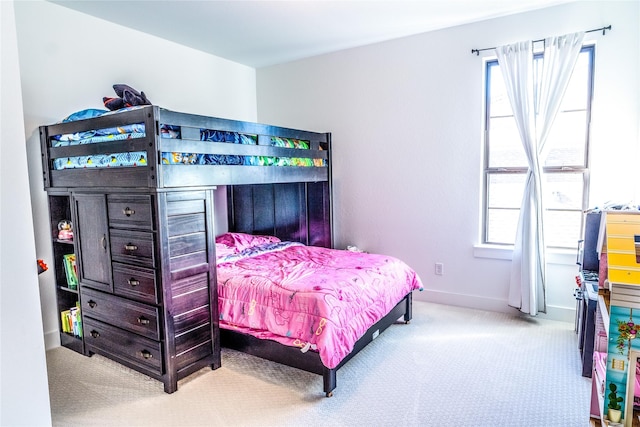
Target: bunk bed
point(278, 188)
point(150, 147)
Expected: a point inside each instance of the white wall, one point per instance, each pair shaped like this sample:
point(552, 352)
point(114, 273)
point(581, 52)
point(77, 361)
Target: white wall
point(69, 61)
point(24, 392)
point(406, 119)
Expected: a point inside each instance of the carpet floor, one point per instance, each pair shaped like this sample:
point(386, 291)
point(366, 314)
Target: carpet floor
point(450, 366)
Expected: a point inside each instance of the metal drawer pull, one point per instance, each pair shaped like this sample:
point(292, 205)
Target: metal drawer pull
point(94, 334)
point(146, 354)
point(128, 211)
point(130, 247)
point(133, 282)
point(92, 303)
point(143, 320)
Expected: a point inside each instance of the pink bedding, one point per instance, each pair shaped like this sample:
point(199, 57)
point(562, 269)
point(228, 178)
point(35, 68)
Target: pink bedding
point(305, 296)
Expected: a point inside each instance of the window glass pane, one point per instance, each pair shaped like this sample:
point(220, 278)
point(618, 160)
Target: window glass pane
point(577, 95)
point(502, 225)
point(566, 141)
point(505, 190)
point(504, 199)
point(505, 148)
point(537, 73)
point(562, 228)
point(564, 190)
point(499, 101)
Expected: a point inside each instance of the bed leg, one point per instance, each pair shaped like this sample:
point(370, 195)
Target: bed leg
point(329, 380)
point(408, 314)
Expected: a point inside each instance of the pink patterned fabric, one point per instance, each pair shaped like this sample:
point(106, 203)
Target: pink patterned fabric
point(309, 297)
point(241, 241)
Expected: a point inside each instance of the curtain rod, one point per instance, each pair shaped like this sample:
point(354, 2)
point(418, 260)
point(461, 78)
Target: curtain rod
point(603, 29)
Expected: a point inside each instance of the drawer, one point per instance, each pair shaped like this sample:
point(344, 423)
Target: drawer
point(135, 282)
point(130, 211)
point(622, 259)
point(126, 346)
point(121, 312)
point(622, 243)
point(133, 247)
point(630, 276)
point(623, 228)
point(627, 217)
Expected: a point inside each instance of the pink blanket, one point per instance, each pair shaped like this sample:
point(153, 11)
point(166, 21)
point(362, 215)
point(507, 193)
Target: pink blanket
point(310, 297)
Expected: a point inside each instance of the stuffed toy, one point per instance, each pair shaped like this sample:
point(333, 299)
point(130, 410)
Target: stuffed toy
point(127, 97)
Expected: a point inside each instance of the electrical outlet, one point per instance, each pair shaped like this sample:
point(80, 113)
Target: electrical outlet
point(439, 268)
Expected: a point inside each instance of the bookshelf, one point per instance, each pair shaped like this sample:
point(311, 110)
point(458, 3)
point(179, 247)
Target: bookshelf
point(67, 295)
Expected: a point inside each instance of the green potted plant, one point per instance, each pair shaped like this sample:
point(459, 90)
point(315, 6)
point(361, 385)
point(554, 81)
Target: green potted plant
point(615, 408)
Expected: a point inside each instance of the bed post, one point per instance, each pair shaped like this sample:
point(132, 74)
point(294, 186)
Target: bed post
point(44, 148)
point(329, 380)
point(408, 311)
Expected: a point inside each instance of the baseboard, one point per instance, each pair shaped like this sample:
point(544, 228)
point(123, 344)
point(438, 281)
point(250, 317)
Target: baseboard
point(51, 340)
point(562, 314)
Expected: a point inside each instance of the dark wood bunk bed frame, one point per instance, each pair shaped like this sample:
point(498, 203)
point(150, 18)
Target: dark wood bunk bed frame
point(292, 203)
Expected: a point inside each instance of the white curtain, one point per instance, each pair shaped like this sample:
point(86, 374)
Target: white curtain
point(528, 269)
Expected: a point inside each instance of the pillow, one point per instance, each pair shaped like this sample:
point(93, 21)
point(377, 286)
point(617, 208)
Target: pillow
point(79, 115)
point(223, 250)
point(238, 242)
point(84, 114)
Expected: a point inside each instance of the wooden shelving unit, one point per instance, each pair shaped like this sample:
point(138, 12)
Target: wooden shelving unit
point(66, 298)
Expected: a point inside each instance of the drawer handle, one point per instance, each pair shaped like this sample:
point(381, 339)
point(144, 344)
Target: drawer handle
point(146, 354)
point(92, 303)
point(133, 282)
point(130, 247)
point(143, 320)
point(128, 211)
point(94, 334)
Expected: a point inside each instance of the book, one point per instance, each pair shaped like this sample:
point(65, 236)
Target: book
point(71, 321)
point(78, 320)
point(64, 320)
point(71, 270)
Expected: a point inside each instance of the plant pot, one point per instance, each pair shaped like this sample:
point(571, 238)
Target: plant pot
point(615, 415)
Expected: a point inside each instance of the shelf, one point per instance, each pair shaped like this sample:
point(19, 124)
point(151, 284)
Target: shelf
point(67, 289)
point(66, 298)
point(65, 241)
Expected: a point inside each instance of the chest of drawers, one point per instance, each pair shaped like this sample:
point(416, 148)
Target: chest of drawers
point(146, 264)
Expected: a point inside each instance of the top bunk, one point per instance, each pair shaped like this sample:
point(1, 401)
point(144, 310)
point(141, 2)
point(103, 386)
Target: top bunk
point(152, 147)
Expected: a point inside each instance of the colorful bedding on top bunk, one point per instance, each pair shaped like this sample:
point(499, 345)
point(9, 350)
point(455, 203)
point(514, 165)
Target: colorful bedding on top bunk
point(139, 158)
point(306, 296)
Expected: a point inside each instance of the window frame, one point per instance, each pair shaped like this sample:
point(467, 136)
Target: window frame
point(488, 171)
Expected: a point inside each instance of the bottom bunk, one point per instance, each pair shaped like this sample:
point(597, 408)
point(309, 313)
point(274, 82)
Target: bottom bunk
point(309, 307)
point(284, 295)
point(310, 361)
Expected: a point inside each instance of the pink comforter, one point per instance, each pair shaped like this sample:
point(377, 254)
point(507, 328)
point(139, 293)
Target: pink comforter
point(310, 297)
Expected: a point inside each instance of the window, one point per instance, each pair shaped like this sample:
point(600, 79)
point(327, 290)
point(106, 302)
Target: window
point(565, 169)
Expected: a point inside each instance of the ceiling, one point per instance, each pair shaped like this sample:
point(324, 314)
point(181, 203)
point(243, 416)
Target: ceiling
point(262, 32)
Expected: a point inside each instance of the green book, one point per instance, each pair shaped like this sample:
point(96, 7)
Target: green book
point(70, 270)
point(64, 320)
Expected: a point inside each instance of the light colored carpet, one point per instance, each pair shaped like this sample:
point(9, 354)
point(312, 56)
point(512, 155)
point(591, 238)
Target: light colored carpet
point(450, 366)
